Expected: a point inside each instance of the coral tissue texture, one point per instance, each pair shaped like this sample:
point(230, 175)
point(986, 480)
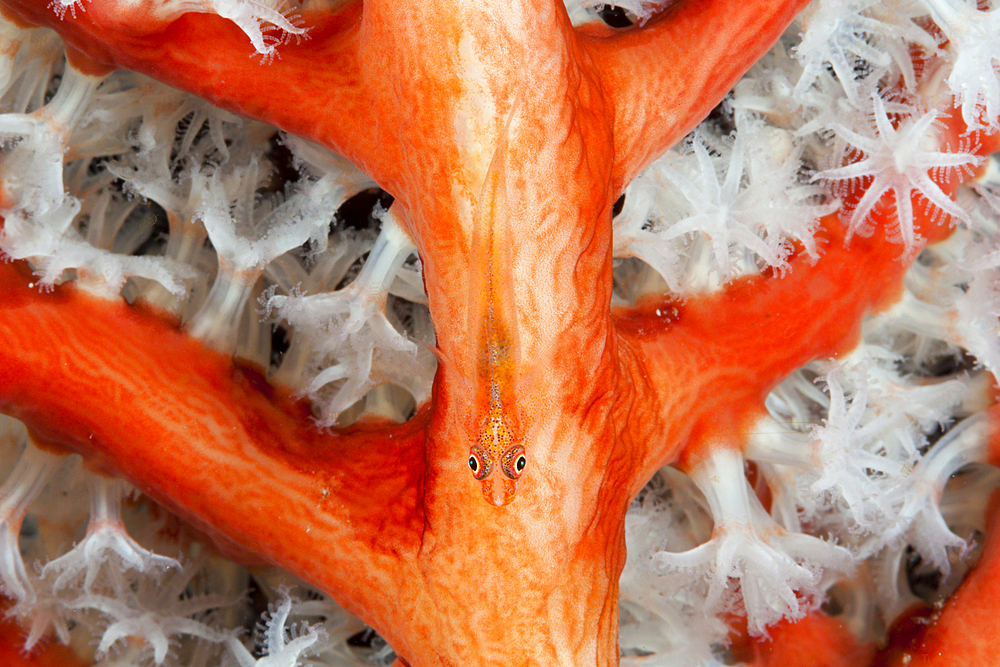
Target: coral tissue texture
point(499, 333)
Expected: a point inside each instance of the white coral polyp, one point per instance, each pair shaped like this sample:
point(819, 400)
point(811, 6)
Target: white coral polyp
point(259, 20)
point(900, 160)
point(834, 33)
point(975, 54)
point(284, 644)
point(40, 211)
point(25, 482)
point(977, 303)
point(642, 10)
point(156, 613)
point(781, 574)
point(919, 497)
point(699, 231)
point(844, 445)
point(354, 346)
point(107, 544)
point(658, 617)
point(39, 221)
point(248, 234)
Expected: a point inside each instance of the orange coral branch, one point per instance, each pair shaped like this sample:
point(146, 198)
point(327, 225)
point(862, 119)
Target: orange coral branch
point(663, 78)
point(684, 352)
point(690, 350)
point(176, 418)
point(816, 640)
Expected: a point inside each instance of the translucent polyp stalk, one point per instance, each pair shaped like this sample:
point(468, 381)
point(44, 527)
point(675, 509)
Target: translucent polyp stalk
point(723, 481)
point(185, 240)
point(967, 442)
point(105, 532)
point(72, 99)
point(25, 482)
point(218, 320)
point(944, 14)
point(781, 573)
point(391, 249)
point(10, 41)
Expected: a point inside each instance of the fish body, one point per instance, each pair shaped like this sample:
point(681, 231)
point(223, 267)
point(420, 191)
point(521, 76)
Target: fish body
point(498, 449)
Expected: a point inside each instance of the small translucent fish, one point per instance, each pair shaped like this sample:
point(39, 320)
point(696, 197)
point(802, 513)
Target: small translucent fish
point(498, 448)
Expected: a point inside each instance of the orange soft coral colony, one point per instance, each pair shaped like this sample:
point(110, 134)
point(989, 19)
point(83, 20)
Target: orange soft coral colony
point(431, 101)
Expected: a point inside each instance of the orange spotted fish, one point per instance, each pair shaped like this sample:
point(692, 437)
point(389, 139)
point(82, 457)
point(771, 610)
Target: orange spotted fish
point(497, 451)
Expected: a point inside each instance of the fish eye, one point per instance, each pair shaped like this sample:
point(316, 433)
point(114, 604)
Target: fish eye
point(480, 463)
point(514, 461)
